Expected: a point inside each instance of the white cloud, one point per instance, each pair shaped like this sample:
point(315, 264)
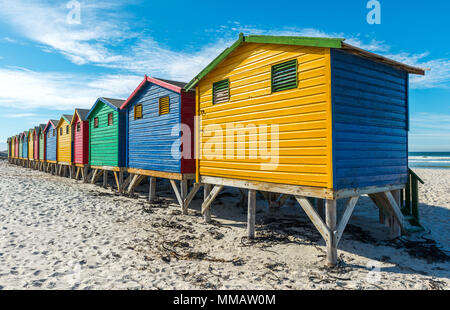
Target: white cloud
point(100, 37)
point(25, 89)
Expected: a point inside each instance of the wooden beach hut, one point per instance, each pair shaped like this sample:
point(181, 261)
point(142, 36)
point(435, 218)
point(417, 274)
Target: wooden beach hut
point(107, 140)
point(16, 148)
point(25, 148)
point(31, 148)
point(313, 118)
point(156, 112)
point(21, 148)
point(51, 138)
point(64, 145)
point(80, 129)
point(41, 142)
point(11, 148)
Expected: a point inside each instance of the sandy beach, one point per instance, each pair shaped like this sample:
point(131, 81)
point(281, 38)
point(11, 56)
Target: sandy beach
point(58, 233)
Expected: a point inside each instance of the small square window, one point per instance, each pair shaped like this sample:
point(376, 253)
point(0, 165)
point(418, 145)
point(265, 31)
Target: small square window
point(78, 127)
point(164, 105)
point(67, 130)
point(221, 91)
point(96, 122)
point(138, 111)
point(110, 119)
point(284, 76)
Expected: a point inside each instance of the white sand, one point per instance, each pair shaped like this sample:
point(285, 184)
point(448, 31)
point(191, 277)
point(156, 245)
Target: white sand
point(58, 233)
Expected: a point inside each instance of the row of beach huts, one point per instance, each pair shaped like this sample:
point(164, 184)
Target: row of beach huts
point(312, 118)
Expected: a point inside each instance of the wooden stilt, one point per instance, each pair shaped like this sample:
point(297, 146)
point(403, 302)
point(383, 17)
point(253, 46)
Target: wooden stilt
point(251, 213)
point(137, 179)
point(206, 192)
point(77, 175)
point(330, 213)
point(184, 193)
point(151, 189)
point(105, 179)
point(209, 200)
point(121, 187)
point(321, 208)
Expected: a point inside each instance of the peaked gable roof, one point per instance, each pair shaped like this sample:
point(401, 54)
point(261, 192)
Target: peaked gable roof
point(65, 117)
point(302, 41)
point(112, 103)
point(80, 114)
point(168, 84)
point(52, 122)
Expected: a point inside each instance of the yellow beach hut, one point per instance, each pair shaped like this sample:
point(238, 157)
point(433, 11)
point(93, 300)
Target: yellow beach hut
point(313, 118)
point(64, 145)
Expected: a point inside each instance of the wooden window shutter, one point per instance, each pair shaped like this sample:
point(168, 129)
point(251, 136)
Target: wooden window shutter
point(164, 103)
point(284, 76)
point(138, 111)
point(221, 91)
point(110, 119)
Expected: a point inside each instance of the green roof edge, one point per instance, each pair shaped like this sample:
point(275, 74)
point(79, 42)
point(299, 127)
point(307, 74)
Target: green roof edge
point(304, 41)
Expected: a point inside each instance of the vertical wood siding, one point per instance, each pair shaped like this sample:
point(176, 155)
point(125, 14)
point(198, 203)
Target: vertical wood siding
point(50, 149)
point(188, 118)
point(30, 145)
point(369, 121)
point(20, 146)
point(80, 141)
point(16, 150)
point(36, 145)
point(106, 143)
point(303, 114)
point(42, 146)
point(150, 139)
point(64, 143)
point(25, 147)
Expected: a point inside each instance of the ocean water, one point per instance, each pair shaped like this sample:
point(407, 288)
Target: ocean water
point(429, 160)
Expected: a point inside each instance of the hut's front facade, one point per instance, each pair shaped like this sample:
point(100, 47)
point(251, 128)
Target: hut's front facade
point(16, 146)
point(64, 141)
point(107, 139)
point(30, 144)
point(42, 145)
point(25, 147)
point(309, 117)
point(156, 113)
point(80, 129)
point(51, 138)
point(8, 142)
point(20, 148)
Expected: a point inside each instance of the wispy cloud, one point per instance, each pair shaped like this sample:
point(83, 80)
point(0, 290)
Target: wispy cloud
point(25, 89)
point(430, 132)
point(104, 29)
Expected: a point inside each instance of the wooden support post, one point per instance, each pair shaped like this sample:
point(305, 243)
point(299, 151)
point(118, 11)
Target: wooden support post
point(184, 193)
point(206, 192)
point(127, 181)
point(209, 200)
point(330, 213)
point(77, 175)
point(151, 189)
point(345, 218)
point(116, 178)
point(105, 179)
point(251, 213)
point(121, 186)
point(408, 196)
point(137, 179)
point(191, 194)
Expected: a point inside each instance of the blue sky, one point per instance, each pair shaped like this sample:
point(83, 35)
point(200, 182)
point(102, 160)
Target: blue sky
point(49, 65)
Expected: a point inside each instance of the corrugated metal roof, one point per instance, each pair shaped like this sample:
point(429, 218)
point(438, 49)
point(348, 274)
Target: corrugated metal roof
point(68, 117)
point(176, 83)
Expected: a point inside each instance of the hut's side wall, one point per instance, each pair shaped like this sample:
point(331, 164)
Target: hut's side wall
point(370, 122)
point(64, 143)
point(81, 142)
point(150, 139)
point(188, 119)
point(50, 149)
point(42, 145)
point(20, 147)
point(303, 117)
point(104, 140)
